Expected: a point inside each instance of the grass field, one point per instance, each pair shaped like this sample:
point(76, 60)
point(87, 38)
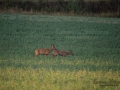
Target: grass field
point(95, 43)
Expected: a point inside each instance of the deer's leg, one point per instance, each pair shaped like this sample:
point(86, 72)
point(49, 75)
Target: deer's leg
point(53, 56)
point(64, 55)
point(36, 54)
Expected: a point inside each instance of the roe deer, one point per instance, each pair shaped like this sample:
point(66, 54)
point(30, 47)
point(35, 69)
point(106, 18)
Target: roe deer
point(61, 53)
point(44, 51)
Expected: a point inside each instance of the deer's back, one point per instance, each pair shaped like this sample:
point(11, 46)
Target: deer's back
point(59, 52)
point(42, 51)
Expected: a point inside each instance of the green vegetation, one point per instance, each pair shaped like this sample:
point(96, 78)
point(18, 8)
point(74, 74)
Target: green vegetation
point(94, 42)
point(104, 8)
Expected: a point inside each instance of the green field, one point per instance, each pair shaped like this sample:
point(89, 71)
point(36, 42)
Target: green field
point(95, 43)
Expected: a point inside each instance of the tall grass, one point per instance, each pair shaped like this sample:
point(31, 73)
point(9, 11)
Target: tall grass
point(94, 42)
point(44, 79)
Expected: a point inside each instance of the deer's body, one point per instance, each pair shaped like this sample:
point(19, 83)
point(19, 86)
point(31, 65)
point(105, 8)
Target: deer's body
point(61, 53)
point(44, 51)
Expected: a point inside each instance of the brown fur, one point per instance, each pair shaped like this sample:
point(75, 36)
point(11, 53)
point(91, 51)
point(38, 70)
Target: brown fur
point(44, 51)
point(61, 53)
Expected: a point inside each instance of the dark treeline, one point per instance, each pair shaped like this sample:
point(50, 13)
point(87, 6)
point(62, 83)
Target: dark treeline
point(64, 6)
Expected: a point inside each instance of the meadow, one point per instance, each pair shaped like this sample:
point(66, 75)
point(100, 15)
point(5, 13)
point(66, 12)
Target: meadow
point(94, 41)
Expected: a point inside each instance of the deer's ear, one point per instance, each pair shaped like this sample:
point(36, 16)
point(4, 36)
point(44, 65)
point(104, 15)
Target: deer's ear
point(53, 46)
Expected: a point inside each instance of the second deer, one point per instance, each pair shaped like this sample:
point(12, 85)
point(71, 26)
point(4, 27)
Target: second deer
point(61, 53)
